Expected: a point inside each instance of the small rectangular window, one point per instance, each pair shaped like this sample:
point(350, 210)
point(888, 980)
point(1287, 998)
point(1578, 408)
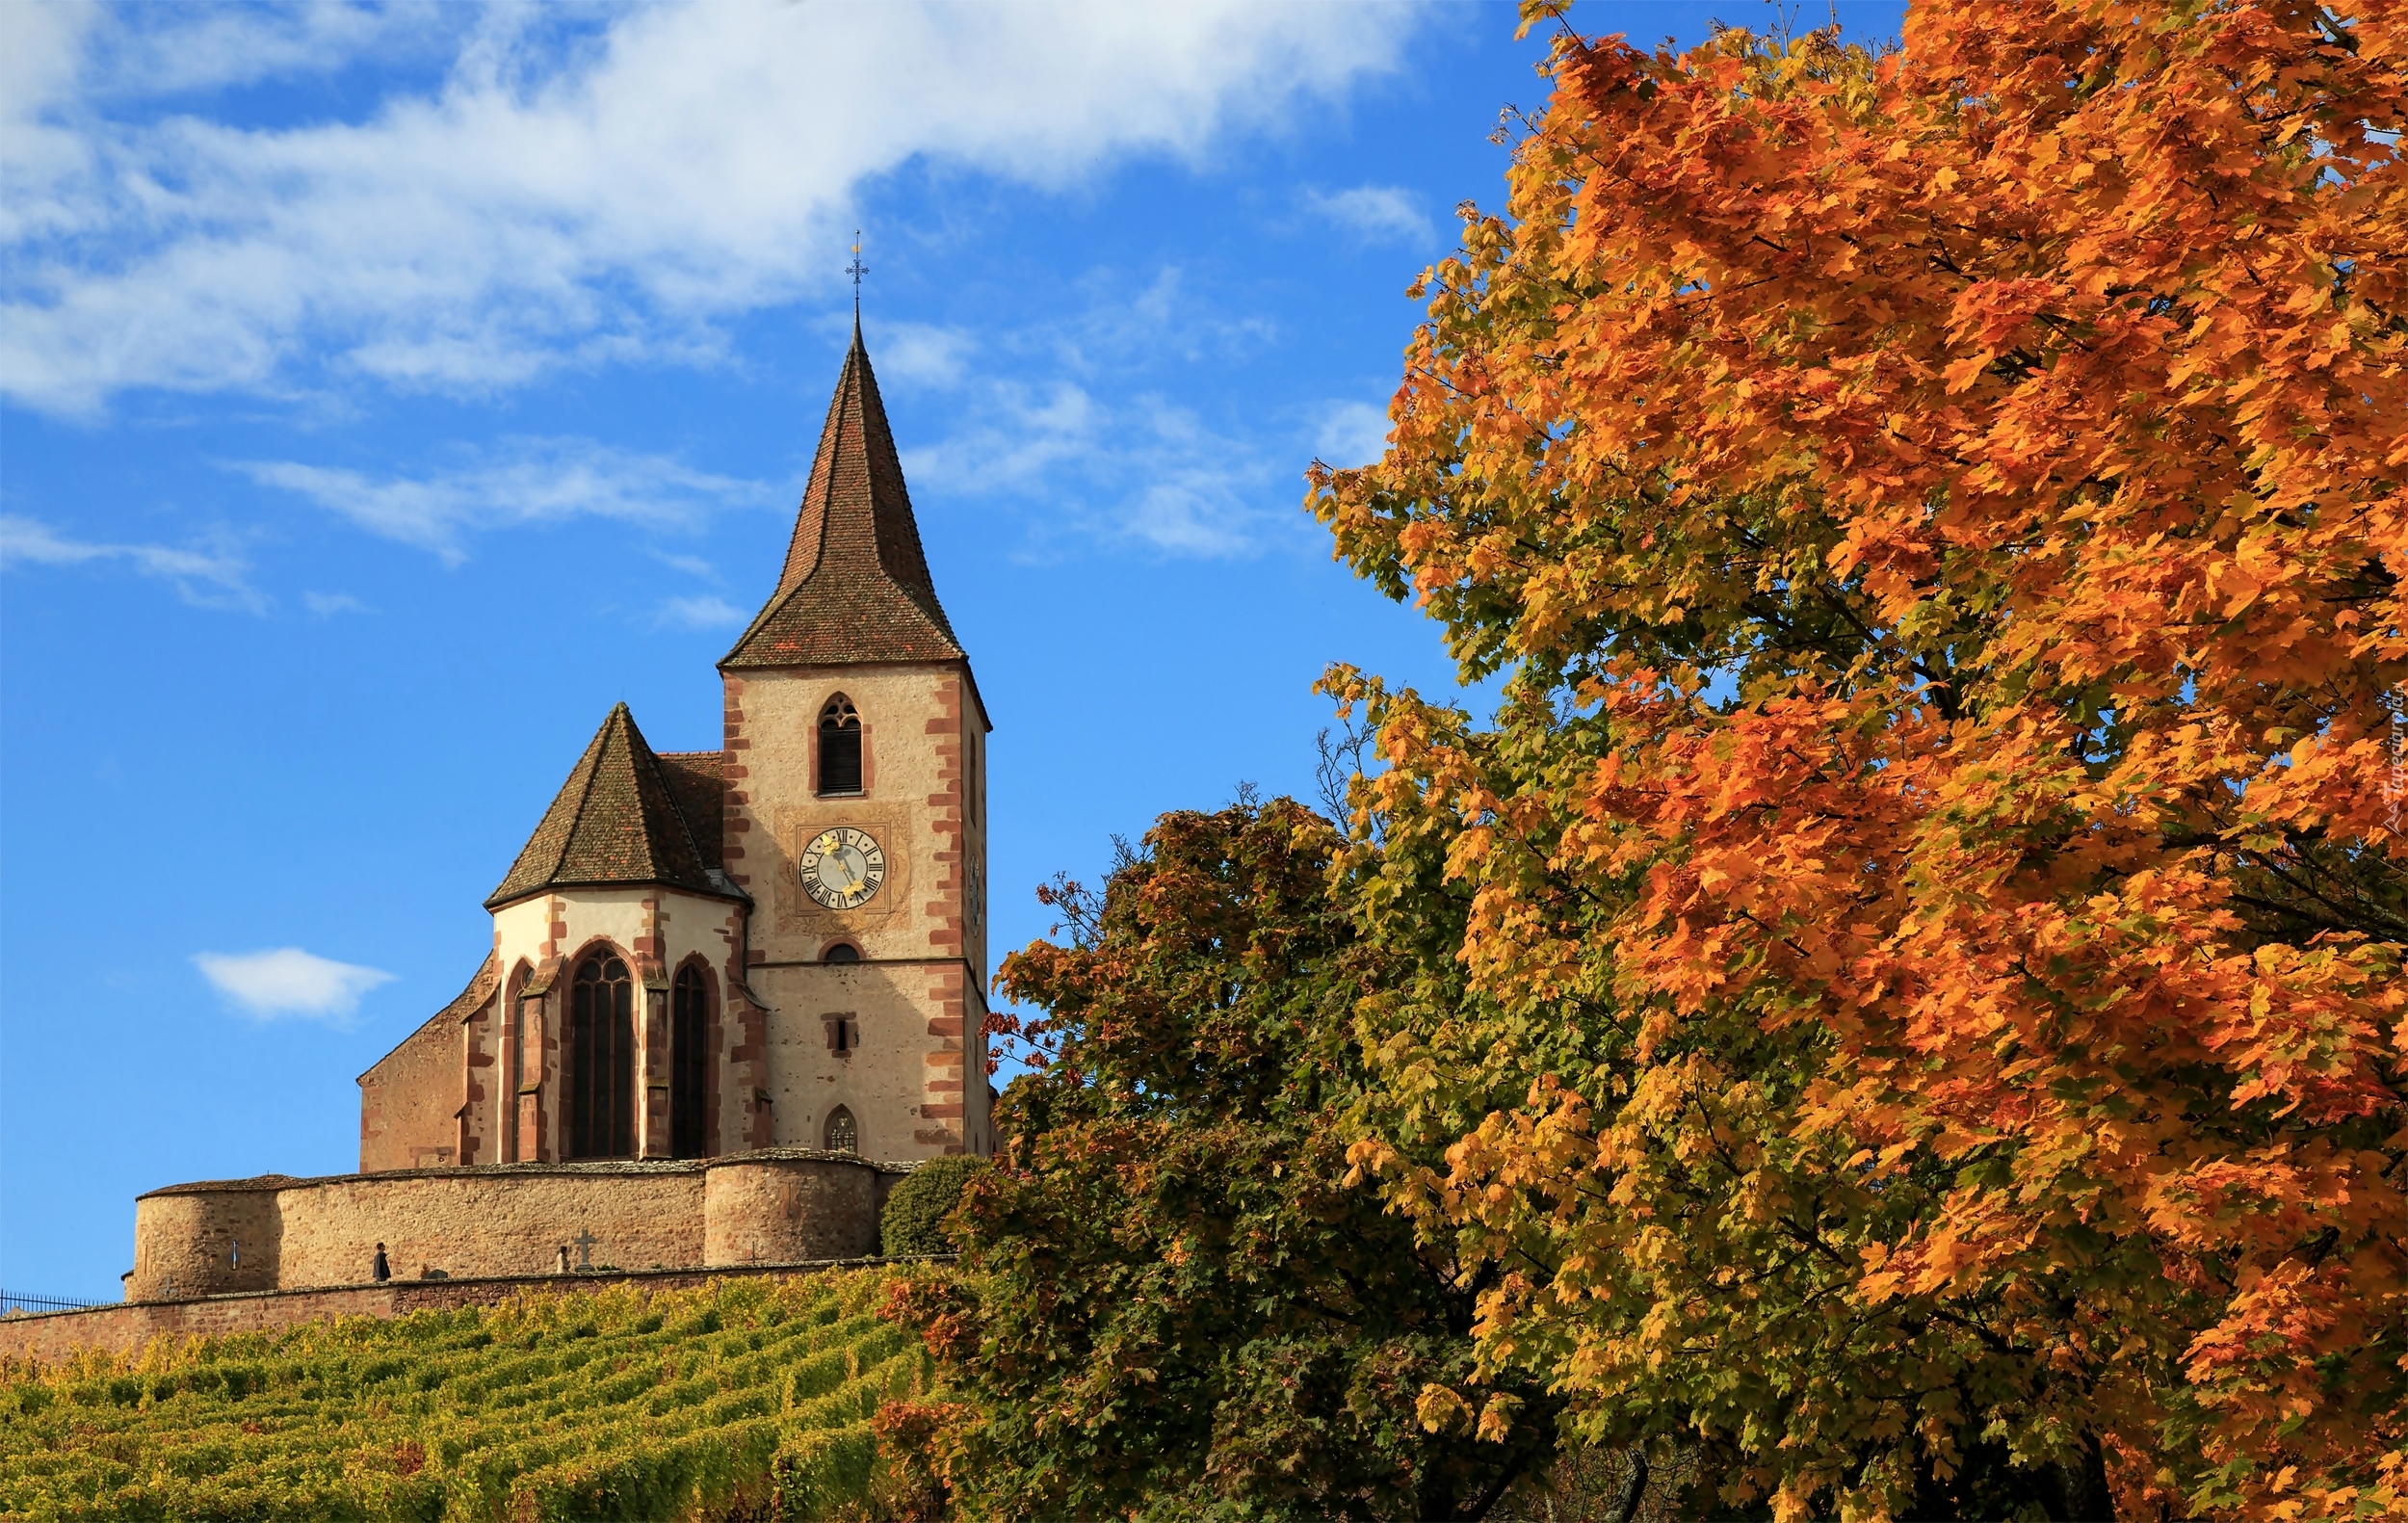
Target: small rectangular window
point(844, 1034)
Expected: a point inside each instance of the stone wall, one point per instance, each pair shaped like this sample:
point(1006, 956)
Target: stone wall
point(125, 1330)
point(208, 1242)
point(277, 1233)
point(409, 1102)
point(781, 1211)
point(475, 1222)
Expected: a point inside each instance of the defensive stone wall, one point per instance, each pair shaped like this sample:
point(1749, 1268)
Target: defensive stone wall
point(778, 1205)
point(52, 1337)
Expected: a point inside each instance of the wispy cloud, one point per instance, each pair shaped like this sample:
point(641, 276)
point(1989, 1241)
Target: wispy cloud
point(1351, 434)
point(540, 480)
point(326, 605)
point(288, 981)
point(212, 573)
point(1143, 471)
point(923, 353)
point(572, 185)
point(701, 612)
point(1377, 213)
point(1165, 321)
point(1075, 418)
point(127, 53)
point(691, 565)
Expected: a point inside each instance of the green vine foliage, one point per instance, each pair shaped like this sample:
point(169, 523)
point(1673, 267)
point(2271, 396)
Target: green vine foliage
point(753, 1398)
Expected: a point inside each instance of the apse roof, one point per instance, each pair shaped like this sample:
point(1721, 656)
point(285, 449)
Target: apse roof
point(855, 584)
point(617, 819)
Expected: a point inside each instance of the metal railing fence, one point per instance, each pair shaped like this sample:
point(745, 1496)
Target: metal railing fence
point(11, 1301)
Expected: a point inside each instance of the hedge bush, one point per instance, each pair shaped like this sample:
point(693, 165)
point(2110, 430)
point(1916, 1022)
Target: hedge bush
point(914, 1220)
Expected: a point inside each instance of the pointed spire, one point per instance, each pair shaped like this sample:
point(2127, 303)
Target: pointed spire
point(856, 584)
point(615, 821)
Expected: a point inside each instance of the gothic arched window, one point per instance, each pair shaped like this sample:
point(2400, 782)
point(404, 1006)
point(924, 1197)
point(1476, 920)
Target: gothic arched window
point(688, 1063)
point(843, 1136)
point(839, 747)
point(602, 1060)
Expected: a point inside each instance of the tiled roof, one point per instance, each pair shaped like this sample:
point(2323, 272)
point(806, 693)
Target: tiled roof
point(617, 819)
point(856, 586)
point(695, 782)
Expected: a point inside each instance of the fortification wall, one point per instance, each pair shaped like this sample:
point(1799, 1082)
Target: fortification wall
point(471, 1222)
point(276, 1233)
point(778, 1211)
point(207, 1243)
point(53, 1336)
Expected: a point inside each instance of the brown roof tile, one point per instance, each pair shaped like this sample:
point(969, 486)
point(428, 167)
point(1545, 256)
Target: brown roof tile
point(697, 783)
point(617, 819)
point(856, 584)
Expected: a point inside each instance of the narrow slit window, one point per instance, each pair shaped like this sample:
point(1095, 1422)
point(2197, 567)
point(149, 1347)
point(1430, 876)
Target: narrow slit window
point(688, 1065)
point(839, 747)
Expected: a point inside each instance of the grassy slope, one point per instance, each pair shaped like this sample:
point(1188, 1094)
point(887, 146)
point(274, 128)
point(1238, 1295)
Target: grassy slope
point(748, 1398)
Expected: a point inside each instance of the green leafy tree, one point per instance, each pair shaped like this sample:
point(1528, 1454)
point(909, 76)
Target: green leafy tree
point(1172, 1302)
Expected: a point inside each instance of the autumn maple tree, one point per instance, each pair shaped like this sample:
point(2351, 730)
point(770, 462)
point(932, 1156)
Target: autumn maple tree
point(1929, 1033)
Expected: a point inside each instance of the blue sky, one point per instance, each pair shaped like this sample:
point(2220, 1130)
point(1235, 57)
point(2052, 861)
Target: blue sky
point(386, 391)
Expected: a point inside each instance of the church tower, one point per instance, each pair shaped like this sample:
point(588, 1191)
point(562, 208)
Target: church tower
point(855, 820)
point(779, 943)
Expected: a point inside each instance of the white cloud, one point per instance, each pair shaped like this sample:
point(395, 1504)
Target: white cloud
point(543, 480)
point(1377, 213)
point(1164, 321)
point(289, 982)
point(923, 353)
point(212, 47)
point(1353, 434)
point(702, 613)
point(213, 574)
point(1070, 417)
point(577, 185)
point(326, 605)
point(691, 565)
point(1143, 471)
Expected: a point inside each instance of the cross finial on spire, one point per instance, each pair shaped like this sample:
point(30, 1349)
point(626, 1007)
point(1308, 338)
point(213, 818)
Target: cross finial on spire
point(857, 270)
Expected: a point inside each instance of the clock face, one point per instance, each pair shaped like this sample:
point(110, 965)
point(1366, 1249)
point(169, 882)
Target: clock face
point(842, 868)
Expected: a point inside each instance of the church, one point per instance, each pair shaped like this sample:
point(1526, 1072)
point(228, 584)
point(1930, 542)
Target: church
point(732, 995)
point(776, 942)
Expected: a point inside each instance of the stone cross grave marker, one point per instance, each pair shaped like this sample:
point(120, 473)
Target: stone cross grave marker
point(584, 1242)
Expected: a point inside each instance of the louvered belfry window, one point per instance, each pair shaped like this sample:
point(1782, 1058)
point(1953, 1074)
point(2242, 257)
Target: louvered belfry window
point(839, 747)
point(602, 1061)
point(688, 1063)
